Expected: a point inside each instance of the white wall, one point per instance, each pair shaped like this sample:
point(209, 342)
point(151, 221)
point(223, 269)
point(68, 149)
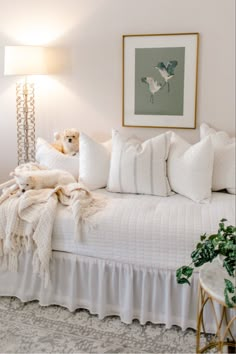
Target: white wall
point(89, 95)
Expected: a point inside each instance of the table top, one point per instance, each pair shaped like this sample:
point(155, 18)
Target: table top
point(212, 277)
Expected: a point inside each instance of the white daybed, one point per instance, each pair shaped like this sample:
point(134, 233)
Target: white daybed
point(126, 265)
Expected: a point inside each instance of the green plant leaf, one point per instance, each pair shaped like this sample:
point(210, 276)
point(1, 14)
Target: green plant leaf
point(229, 229)
point(179, 272)
point(187, 271)
point(229, 286)
point(230, 264)
point(227, 299)
point(222, 243)
point(212, 237)
point(183, 281)
point(222, 226)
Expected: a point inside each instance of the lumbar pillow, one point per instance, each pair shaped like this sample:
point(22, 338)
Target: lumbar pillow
point(224, 158)
point(94, 162)
point(139, 167)
point(190, 168)
point(47, 156)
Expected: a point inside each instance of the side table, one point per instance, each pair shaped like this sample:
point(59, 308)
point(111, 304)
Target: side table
point(211, 290)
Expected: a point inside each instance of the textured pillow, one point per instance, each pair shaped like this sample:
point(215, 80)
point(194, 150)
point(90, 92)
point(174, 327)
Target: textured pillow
point(94, 162)
point(224, 159)
point(190, 168)
point(138, 167)
point(48, 156)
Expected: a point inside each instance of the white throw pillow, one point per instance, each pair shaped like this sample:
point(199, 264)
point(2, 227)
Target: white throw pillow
point(94, 162)
point(139, 167)
point(224, 158)
point(190, 168)
point(48, 156)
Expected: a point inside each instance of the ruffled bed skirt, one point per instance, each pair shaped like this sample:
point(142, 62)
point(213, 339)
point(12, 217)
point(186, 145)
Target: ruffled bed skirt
point(108, 288)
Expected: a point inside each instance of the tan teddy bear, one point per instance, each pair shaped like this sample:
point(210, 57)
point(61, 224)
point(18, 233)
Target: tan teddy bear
point(67, 142)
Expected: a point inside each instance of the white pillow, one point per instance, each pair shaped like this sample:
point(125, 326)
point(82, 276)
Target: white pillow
point(94, 162)
point(190, 168)
point(224, 158)
point(50, 157)
point(139, 167)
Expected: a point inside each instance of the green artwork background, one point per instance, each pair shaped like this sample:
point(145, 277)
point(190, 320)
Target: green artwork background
point(165, 103)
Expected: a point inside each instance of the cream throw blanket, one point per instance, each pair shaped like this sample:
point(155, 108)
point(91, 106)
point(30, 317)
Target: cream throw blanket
point(26, 223)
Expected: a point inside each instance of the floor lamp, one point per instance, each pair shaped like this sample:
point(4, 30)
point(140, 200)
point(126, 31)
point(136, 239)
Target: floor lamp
point(24, 61)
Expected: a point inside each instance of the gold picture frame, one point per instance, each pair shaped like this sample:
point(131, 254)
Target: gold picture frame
point(159, 80)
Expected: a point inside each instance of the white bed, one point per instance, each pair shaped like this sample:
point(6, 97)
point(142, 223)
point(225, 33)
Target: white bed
point(144, 230)
point(126, 265)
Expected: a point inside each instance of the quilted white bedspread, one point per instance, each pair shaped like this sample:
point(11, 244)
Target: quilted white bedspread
point(145, 230)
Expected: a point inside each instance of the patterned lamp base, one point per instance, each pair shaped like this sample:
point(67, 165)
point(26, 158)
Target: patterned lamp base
point(25, 122)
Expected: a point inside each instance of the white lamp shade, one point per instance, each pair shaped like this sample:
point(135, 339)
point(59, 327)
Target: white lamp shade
point(25, 60)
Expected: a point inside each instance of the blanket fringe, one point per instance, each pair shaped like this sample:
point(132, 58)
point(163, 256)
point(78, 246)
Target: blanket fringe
point(84, 221)
point(26, 222)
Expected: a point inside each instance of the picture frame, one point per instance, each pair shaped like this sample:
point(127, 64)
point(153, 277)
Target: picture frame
point(160, 80)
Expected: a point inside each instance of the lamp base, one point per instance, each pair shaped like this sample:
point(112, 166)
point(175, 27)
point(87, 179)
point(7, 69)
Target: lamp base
point(25, 114)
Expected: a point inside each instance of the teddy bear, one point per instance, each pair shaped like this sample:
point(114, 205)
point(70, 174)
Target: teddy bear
point(67, 142)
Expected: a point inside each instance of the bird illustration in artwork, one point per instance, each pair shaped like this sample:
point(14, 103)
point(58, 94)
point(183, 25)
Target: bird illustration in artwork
point(153, 86)
point(167, 71)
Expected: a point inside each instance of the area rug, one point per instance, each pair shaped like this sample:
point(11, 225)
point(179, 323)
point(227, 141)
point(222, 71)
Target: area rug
point(30, 328)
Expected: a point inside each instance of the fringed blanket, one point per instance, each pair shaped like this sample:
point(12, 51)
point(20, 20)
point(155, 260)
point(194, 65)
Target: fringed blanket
point(26, 223)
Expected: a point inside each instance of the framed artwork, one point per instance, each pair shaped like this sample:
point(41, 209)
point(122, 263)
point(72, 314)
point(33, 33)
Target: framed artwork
point(160, 80)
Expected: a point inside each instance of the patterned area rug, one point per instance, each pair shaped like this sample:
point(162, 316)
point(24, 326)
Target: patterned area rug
point(30, 328)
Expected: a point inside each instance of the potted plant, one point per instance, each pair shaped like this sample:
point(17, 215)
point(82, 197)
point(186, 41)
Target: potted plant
point(222, 244)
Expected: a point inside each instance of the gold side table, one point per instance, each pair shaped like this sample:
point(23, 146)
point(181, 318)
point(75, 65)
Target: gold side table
point(211, 290)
